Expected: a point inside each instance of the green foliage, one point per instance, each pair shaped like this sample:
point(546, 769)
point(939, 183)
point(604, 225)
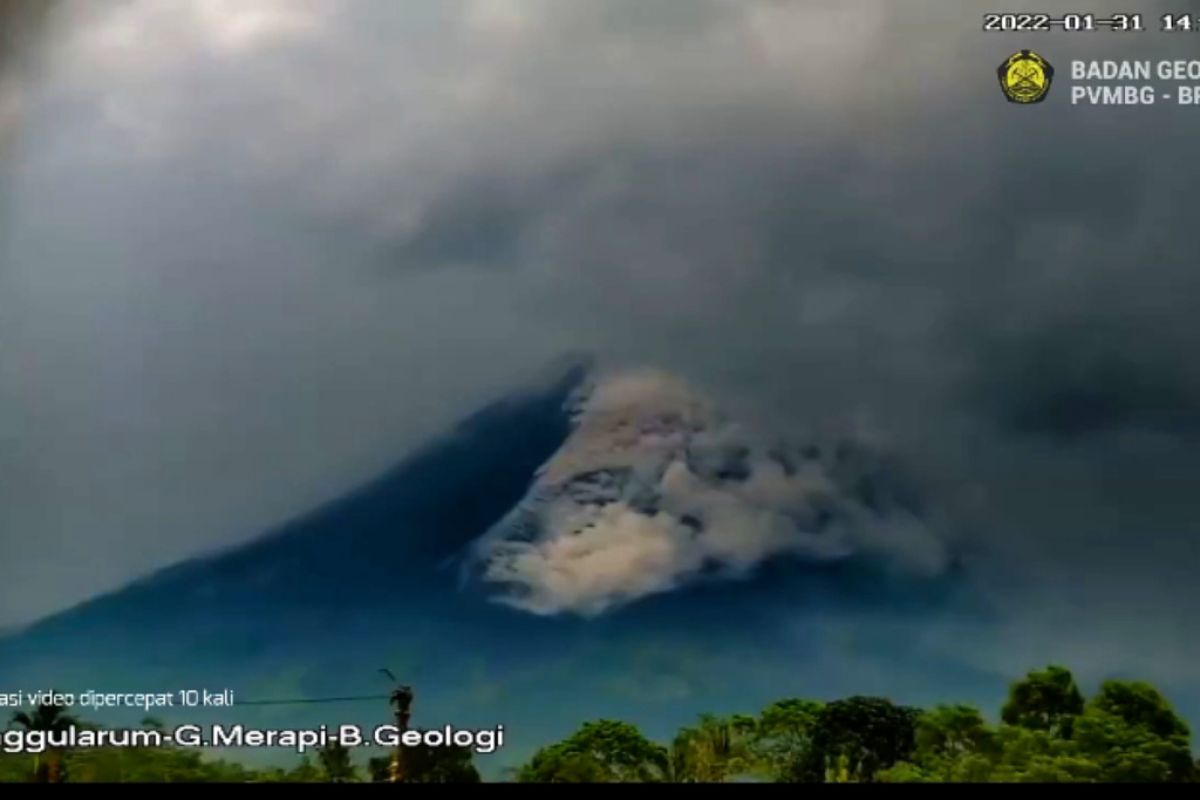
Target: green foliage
point(1130, 730)
point(1011, 755)
point(47, 768)
point(1046, 700)
point(15, 768)
point(150, 765)
point(605, 751)
point(560, 763)
point(783, 737)
point(1126, 732)
point(1038, 756)
point(336, 764)
point(857, 737)
point(952, 743)
point(44, 718)
point(304, 772)
point(379, 769)
point(1138, 703)
point(425, 764)
point(714, 750)
point(156, 765)
point(952, 730)
point(134, 765)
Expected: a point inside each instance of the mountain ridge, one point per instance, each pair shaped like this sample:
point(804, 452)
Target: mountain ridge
point(547, 399)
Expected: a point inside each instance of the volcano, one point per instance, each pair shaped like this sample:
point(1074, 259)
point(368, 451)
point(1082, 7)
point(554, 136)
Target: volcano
point(586, 546)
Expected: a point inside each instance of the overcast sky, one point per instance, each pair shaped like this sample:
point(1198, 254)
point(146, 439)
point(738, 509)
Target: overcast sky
point(252, 251)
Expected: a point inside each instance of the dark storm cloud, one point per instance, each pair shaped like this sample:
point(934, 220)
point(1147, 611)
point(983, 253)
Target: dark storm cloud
point(23, 26)
point(1092, 376)
point(274, 244)
point(1023, 251)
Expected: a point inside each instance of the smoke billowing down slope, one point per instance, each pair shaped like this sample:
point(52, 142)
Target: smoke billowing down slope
point(655, 490)
point(901, 335)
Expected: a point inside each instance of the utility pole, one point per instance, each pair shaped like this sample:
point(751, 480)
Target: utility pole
point(401, 702)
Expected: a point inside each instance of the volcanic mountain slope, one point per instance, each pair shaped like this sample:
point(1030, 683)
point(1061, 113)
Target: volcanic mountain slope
point(359, 553)
point(656, 489)
point(599, 544)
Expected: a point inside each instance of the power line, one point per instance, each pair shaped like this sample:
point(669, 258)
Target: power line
point(305, 700)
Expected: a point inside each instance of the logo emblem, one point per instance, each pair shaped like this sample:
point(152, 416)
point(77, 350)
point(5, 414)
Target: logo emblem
point(1025, 77)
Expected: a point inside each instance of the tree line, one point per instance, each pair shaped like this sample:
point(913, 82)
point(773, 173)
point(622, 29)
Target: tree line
point(172, 764)
point(1047, 731)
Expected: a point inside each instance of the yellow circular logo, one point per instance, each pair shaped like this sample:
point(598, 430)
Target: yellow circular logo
point(1025, 77)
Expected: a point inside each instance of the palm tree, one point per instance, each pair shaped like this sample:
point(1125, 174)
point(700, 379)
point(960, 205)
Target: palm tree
point(50, 719)
point(713, 751)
